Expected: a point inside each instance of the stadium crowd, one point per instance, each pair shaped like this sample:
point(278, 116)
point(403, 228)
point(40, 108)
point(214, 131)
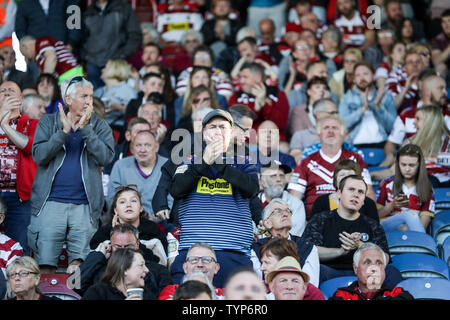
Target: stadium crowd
point(214, 149)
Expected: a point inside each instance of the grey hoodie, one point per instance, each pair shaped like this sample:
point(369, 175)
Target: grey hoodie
point(49, 153)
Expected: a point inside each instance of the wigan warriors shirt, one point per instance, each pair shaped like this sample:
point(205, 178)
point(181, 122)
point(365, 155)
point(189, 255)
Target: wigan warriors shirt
point(314, 175)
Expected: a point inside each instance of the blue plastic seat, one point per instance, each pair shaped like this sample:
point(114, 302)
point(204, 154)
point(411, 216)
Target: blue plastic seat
point(442, 198)
point(446, 251)
point(329, 287)
point(440, 226)
point(411, 242)
point(373, 156)
point(412, 265)
point(427, 288)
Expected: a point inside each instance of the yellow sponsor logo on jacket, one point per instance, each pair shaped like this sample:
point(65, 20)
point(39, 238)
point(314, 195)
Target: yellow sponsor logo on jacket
point(218, 186)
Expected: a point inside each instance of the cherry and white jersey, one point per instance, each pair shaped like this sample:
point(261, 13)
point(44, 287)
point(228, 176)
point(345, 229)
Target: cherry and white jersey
point(386, 196)
point(9, 251)
point(8, 161)
point(404, 124)
point(66, 59)
point(313, 177)
point(353, 30)
point(439, 166)
point(171, 23)
point(222, 82)
point(404, 127)
point(395, 84)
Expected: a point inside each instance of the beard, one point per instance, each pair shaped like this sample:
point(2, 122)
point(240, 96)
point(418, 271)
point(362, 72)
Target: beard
point(274, 191)
point(363, 85)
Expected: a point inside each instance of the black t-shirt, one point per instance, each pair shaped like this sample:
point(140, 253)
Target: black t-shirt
point(323, 230)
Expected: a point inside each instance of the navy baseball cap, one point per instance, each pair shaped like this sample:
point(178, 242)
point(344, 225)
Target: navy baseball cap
point(217, 113)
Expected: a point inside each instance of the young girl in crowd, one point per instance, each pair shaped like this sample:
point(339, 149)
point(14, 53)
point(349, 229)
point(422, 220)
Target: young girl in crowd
point(127, 208)
point(407, 197)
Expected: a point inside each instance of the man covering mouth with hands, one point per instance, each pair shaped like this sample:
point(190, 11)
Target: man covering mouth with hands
point(213, 190)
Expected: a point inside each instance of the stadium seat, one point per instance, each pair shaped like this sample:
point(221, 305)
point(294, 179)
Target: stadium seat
point(446, 251)
point(55, 284)
point(329, 287)
point(440, 226)
point(427, 288)
point(373, 156)
point(411, 241)
point(413, 265)
point(442, 198)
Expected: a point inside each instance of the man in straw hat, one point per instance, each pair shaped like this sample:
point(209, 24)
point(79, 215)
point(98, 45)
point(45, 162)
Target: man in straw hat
point(288, 281)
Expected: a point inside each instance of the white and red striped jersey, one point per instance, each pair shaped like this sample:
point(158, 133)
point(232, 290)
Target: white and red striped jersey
point(439, 166)
point(386, 196)
point(313, 177)
point(395, 84)
point(66, 59)
point(9, 250)
point(172, 23)
point(8, 161)
point(222, 82)
point(353, 30)
point(404, 124)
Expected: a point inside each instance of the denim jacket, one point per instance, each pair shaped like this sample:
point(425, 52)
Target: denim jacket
point(350, 112)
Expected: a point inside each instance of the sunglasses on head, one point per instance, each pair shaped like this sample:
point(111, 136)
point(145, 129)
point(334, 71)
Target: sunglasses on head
point(73, 81)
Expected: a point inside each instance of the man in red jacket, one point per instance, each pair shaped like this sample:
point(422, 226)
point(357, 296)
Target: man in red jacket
point(17, 167)
point(268, 102)
point(369, 263)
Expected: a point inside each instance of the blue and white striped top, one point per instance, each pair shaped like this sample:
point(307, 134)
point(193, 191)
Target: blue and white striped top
point(216, 213)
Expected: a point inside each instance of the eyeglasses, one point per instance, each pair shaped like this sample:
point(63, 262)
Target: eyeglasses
point(425, 53)
point(128, 186)
point(21, 274)
point(246, 131)
point(195, 260)
point(73, 81)
point(277, 212)
point(196, 100)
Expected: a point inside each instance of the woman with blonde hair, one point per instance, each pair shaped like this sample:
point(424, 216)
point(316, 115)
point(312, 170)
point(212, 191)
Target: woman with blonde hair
point(23, 277)
point(116, 94)
point(433, 138)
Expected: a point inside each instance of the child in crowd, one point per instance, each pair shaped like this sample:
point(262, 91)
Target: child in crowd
point(407, 197)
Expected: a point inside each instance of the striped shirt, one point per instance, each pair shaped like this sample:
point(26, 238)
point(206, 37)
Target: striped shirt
point(222, 82)
point(9, 251)
point(66, 59)
point(215, 213)
point(395, 84)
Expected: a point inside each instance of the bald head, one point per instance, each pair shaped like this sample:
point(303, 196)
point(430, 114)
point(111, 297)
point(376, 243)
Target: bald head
point(434, 90)
point(10, 88)
point(268, 136)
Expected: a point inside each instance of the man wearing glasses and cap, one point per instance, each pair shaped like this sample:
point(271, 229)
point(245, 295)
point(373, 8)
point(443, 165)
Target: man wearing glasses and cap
point(214, 191)
point(70, 147)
